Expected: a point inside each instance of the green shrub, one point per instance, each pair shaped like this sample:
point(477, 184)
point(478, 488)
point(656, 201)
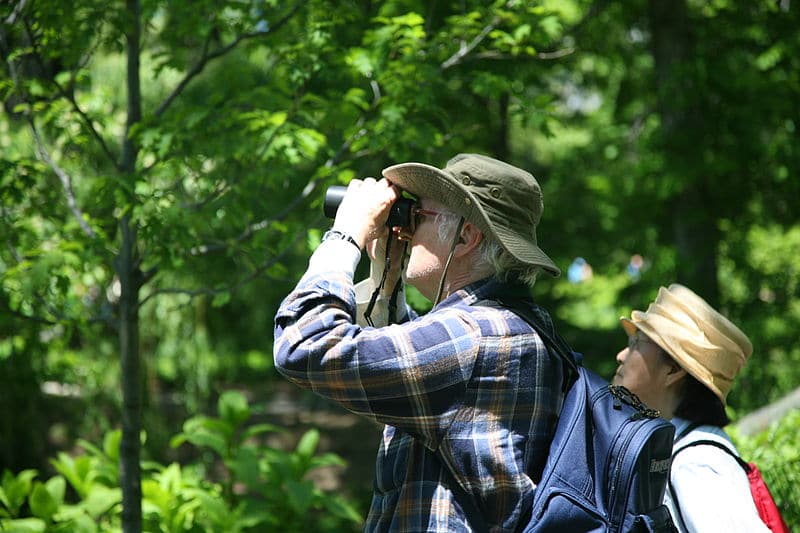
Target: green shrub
point(255, 487)
point(776, 452)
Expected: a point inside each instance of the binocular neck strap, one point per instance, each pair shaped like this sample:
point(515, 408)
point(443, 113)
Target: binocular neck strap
point(395, 291)
point(453, 245)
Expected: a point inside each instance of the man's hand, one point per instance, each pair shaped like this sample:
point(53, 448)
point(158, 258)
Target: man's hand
point(365, 209)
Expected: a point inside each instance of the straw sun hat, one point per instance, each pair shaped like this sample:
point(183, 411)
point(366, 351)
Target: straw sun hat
point(502, 200)
point(702, 341)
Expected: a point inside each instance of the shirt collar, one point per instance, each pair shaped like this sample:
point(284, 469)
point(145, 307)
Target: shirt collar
point(483, 289)
point(681, 425)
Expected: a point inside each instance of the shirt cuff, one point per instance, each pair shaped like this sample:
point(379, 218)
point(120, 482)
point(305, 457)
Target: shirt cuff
point(334, 255)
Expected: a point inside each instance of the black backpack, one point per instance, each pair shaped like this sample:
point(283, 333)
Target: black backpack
point(609, 460)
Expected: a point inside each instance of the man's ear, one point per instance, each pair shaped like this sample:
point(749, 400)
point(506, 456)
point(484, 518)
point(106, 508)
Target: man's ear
point(469, 239)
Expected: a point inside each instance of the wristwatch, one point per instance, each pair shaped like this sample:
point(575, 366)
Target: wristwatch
point(336, 234)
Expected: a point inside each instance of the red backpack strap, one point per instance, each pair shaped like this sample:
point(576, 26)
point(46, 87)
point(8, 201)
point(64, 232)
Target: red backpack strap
point(762, 498)
point(765, 503)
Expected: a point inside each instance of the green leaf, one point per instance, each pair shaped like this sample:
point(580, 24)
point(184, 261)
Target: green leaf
point(300, 495)
point(360, 60)
point(57, 487)
point(340, 507)
point(233, 408)
point(75, 470)
point(328, 459)
point(244, 466)
point(214, 507)
point(100, 499)
point(216, 442)
point(111, 444)
point(204, 431)
point(257, 429)
point(42, 503)
point(221, 299)
point(15, 489)
point(82, 523)
point(23, 525)
point(551, 26)
point(308, 444)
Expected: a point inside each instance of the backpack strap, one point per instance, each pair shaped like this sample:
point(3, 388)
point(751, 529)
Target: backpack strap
point(555, 345)
point(688, 429)
point(716, 444)
point(704, 442)
point(553, 342)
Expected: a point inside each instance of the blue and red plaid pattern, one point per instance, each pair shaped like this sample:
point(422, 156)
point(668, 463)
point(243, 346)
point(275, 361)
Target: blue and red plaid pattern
point(469, 387)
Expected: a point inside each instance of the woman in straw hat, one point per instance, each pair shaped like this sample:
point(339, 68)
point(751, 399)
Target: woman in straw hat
point(681, 359)
point(468, 394)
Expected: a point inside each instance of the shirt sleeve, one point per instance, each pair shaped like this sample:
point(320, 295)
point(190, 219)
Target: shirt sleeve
point(409, 375)
point(713, 493)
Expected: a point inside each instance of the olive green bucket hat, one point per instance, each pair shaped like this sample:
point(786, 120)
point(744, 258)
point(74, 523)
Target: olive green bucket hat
point(504, 201)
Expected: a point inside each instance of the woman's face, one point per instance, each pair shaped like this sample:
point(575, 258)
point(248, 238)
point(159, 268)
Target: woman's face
point(644, 369)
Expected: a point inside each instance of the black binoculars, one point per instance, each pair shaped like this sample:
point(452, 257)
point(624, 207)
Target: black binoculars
point(399, 215)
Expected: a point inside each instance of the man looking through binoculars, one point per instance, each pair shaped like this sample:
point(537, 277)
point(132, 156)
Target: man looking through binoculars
point(468, 393)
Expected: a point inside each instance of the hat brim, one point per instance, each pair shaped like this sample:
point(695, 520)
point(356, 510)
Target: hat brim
point(686, 363)
point(420, 179)
point(628, 325)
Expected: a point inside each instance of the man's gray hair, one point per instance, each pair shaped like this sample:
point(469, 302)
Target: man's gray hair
point(491, 255)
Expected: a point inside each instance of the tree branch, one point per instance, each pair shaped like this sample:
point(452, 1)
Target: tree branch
point(64, 178)
point(206, 57)
point(70, 97)
point(12, 18)
point(29, 318)
point(332, 161)
point(499, 56)
point(210, 291)
point(89, 126)
point(556, 54)
point(219, 191)
point(465, 49)
point(760, 419)
point(66, 181)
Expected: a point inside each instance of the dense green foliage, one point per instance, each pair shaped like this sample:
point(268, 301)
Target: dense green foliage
point(260, 487)
point(777, 456)
point(162, 166)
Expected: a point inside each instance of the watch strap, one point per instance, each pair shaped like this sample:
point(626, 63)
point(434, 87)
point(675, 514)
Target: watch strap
point(336, 234)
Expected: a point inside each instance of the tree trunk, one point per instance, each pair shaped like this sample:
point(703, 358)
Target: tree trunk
point(130, 279)
point(130, 474)
point(760, 419)
point(500, 144)
point(679, 89)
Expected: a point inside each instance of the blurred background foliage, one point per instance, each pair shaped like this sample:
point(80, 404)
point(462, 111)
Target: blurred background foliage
point(159, 218)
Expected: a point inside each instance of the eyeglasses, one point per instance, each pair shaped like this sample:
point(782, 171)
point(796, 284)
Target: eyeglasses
point(418, 213)
point(633, 341)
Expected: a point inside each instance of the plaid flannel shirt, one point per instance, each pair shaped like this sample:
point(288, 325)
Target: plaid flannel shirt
point(468, 395)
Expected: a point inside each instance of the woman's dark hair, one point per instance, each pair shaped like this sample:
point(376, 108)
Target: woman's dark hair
point(701, 405)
